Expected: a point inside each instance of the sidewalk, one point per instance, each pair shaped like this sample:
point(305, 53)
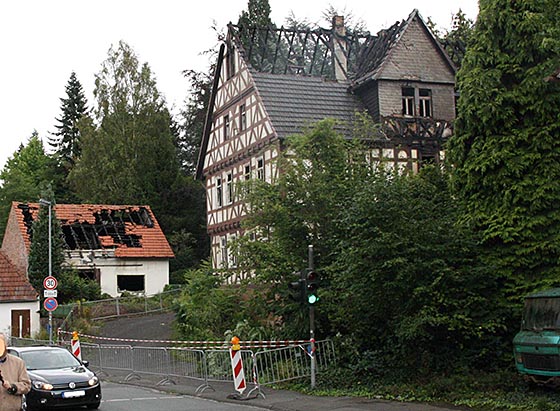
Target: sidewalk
point(277, 400)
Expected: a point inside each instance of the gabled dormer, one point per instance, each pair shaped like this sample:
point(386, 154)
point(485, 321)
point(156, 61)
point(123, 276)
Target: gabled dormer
point(406, 73)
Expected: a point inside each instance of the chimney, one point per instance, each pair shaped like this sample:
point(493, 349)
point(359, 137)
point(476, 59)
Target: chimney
point(340, 60)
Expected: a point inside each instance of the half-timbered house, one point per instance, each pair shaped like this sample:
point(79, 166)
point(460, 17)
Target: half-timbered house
point(270, 83)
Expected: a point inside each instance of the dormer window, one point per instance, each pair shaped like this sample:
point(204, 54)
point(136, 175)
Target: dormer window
point(408, 101)
point(425, 102)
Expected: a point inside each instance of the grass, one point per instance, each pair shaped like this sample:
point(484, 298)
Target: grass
point(498, 391)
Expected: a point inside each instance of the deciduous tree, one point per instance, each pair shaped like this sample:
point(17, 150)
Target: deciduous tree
point(24, 175)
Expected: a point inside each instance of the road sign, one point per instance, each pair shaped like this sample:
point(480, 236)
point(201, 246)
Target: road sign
point(50, 293)
point(50, 282)
point(50, 304)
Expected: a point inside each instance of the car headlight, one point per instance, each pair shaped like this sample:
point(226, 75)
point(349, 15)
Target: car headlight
point(94, 380)
point(40, 385)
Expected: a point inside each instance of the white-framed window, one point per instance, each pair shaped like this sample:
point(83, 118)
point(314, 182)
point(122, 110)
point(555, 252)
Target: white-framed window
point(229, 188)
point(408, 101)
point(232, 261)
point(226, 127)
point(247, 172)
point(219, 192)
point(425, 102)
point(242, 118)
point(260, 168)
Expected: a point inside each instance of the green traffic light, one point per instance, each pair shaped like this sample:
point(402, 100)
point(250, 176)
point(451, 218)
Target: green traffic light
point(312, 298)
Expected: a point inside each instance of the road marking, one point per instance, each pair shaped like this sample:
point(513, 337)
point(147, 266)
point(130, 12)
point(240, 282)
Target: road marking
point(145, 398)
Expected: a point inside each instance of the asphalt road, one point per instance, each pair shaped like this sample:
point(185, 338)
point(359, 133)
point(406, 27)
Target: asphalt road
point(121, 397)
point(157, 326)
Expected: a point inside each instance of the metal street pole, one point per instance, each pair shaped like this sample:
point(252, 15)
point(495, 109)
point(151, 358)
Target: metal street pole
point(50, 264)
point(312, 321)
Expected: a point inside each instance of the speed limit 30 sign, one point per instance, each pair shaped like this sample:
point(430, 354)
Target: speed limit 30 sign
point(50, 283)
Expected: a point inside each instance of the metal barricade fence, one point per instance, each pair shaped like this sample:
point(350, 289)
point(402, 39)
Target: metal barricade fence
point(92, 354)
point(218, 363)
point(262, 366)
point(292, 362)
point(116, 357)
point(151, 361)
point(186, 362)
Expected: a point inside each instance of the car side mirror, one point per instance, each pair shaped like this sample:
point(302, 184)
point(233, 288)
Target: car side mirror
point(85, 363)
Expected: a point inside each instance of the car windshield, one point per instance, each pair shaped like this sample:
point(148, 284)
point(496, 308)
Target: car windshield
point(48, 359)
point(541, 314)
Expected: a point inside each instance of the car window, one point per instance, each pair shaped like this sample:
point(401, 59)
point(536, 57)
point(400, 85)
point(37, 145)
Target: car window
point(49, 359)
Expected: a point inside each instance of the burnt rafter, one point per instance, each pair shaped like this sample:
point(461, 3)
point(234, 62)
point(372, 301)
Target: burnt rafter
point(298, 51)
point(108, 223)
point(409, 130)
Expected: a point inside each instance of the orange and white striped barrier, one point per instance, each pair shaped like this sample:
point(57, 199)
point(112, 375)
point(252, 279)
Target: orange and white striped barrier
point(76, 350)
point(237, 366)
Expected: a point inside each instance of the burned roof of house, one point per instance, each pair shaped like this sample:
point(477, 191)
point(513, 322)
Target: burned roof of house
point(126, 230)
point(320, 52)
point(14, 285)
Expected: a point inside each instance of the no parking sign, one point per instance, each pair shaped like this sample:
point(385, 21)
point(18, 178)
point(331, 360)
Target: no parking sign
point(50, 304)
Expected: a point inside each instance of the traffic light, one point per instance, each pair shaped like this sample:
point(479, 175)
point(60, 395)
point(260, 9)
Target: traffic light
point(298, 287)
point(312, 284)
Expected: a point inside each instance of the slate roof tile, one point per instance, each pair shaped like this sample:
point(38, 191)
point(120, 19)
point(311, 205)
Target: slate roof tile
point(295, 102)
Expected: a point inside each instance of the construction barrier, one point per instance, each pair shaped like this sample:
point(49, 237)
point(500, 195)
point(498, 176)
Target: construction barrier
point(268, 362)
point(237, 366)
point(76, 350)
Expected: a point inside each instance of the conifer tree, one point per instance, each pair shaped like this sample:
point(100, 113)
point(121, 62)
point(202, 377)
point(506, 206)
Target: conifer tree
point(505, 152)
point(66, 141)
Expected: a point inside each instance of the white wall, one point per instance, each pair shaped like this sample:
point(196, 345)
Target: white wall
point(6, 315)
point(155, 272)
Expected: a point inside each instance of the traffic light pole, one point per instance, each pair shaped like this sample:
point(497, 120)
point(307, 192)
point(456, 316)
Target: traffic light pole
point(312, 322)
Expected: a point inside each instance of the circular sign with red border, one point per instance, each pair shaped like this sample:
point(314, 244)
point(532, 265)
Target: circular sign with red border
point(50, 283)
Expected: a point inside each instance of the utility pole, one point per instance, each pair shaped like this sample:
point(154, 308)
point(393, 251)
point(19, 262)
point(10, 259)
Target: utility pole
point(312, 321)
point(48, 203)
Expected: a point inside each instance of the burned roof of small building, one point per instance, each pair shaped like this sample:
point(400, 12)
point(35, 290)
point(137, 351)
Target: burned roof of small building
point(128, 230)
point(296, 103)
point(14, 285)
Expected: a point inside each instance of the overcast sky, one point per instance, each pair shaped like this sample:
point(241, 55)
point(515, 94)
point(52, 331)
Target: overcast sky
point(43, 41)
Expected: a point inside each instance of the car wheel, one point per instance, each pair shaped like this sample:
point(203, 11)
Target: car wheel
point(94, 406)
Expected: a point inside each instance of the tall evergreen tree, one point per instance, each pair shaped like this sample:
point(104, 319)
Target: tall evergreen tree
point(256, 15)
point(505, 152)
point(251, 23)
point(456, 40)
point(66, 141)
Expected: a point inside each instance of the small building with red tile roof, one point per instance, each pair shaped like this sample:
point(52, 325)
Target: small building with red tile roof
point(19, 302)
point(120, 246)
